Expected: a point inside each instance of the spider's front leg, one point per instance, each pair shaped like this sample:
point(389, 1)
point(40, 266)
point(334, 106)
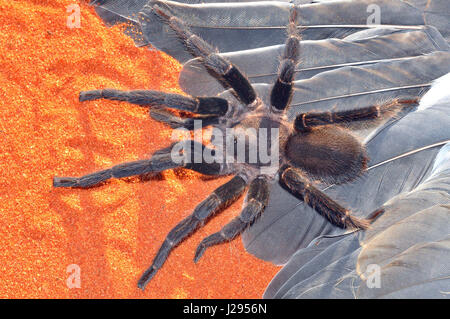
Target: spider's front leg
point(198, 105)
point(305, 121)
point(175, 121)
point(208, 109)
point(255, 203)
point(297, 184)
point(282, 90)
point(200, 48)
point(219, 199)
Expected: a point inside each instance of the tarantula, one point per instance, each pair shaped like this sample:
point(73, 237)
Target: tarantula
point(313, 146)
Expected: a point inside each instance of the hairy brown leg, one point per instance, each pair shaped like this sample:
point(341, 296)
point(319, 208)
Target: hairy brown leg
point(219, 199)
point(199, 105)
point(305, 121)
point(160, 161)
point(255, 203)
point(302, 188)
point(282, 90)
point(200, 48)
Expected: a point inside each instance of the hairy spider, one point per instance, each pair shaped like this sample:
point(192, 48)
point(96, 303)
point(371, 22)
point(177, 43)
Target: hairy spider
point(313, 146)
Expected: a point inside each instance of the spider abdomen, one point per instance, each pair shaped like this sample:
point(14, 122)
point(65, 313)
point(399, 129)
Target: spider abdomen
point(328, 153)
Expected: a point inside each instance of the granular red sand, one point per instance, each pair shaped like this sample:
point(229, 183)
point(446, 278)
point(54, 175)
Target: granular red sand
point(112, 232)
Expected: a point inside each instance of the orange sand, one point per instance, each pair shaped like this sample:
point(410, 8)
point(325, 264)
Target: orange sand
point(112, 232)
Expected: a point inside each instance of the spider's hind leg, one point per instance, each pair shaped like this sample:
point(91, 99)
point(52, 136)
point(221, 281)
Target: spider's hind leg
point(256, 201)
point(219, 199)
point(292, 179)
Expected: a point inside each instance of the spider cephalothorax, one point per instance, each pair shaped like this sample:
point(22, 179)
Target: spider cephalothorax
point(312, 147)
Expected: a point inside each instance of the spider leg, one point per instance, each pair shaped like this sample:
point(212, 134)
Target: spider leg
point(301, 187)
point(199, 105)
point(219, 199)
point(282, 91)
point(256, 201)
point(157, 163)
point(200, 48)
point(160, 161)
point(305, 121)
point(174, 121)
